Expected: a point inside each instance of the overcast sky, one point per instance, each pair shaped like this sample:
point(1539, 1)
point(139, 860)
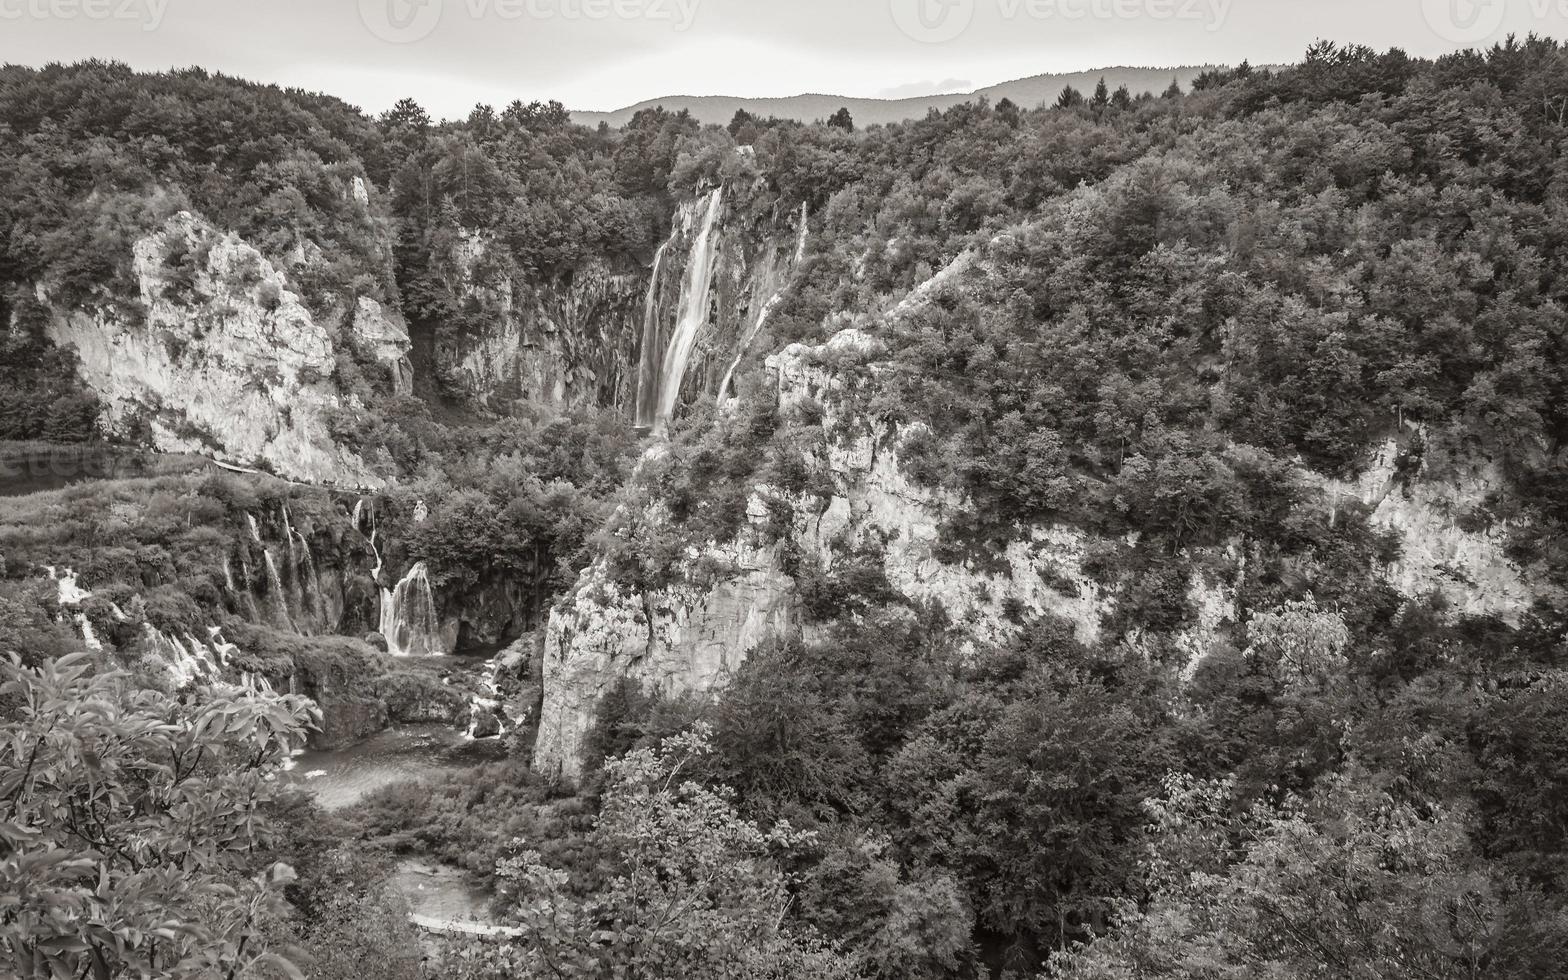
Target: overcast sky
point(603, 54)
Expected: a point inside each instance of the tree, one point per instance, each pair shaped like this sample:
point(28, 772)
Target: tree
point(1070, 98)
point(132, 826)
point(1102, 95)
point(691, 888)
point(1174, 92)
point(1349, 882)
point(842, 120)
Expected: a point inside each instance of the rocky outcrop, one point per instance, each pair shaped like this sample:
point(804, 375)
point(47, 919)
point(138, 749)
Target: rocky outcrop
point(567, 343)
point(589, 337)
point(224, 360)
point(687, 638)
point(383, 338)
point(691, 636)
point(1436, 506)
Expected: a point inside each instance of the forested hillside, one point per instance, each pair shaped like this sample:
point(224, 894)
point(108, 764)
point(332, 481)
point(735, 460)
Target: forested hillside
point(1117, 538)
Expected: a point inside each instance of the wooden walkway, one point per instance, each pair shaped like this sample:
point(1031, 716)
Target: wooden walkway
point(454, 927)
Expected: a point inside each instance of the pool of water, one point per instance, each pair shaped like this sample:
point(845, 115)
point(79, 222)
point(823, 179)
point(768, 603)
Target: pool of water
point(440, 893)
point(343, 777)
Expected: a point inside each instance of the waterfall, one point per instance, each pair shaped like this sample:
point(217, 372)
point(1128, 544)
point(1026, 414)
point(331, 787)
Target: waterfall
point(648, 368)
point(255, 531)
point(488, 703)
point(89, 636)
point(188, 661)
point(275, 586)
point(409, 620)
point(70, 593)
point(755, 329)
point(312, 589)
point(660, 379)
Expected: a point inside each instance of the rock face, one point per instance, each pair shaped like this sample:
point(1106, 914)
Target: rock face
point(1444, 547)
point(566, 343)
point(690, 636)
point(224, 361)
point(384, 338)
point(589, 337)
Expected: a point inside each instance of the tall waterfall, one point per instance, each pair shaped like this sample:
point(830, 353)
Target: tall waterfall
point(280, 597)
point(409, 620)
point(662, 372)
point(778, 284)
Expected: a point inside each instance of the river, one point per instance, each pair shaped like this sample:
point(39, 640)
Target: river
point(440, 898)
point(342, 778)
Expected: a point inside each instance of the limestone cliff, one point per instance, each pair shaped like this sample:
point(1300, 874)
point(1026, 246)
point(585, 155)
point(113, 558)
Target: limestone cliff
point(218, 356)
point(690, 636)
point(566, 342)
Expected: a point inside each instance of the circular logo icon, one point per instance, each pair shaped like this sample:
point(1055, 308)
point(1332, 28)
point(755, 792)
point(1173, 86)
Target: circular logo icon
point(1464, 21)
point(933, 21)
point(400, 21)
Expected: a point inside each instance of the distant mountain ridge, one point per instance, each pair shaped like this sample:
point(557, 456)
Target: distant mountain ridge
point(1027, 92)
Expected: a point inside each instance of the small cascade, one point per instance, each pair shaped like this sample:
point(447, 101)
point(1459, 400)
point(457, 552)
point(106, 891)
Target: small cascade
point(409, 620)
point(255, 529)
point(280, 598)
point(188, 660)
point(487, 705)
point(246, 593)
point(70, 592)
point(89, 637)
point(307, 560)
point(648, 367)
point(752, 332)
point(363, 511)
point(72, 595)
point(661, 377)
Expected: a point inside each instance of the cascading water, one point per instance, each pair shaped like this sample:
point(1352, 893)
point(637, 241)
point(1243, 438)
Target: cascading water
point(409, 620)
point(486, 719)
point(648, 368)
point(773, 301)
point(70, 593)
point(275, 586)
point(660, 377)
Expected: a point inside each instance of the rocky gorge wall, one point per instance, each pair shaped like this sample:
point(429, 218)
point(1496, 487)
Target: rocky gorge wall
point(216, 355)
point(689, 637)
point(599, 336)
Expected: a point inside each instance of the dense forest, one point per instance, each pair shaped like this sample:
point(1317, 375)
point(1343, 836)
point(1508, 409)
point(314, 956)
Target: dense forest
point(1164, 321)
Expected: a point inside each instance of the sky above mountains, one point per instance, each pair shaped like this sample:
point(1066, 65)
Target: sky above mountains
point(603, 54)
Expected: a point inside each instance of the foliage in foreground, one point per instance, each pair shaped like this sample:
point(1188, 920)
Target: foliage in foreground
point(692, 889)
point(132, 827)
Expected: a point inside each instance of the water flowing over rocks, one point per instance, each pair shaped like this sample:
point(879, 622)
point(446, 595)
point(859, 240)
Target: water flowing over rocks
point(410, 621)
point(643, 340)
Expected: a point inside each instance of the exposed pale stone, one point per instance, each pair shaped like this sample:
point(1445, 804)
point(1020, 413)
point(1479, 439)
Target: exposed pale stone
point(1469, 568)
point(384, 338)
point(234, 366)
